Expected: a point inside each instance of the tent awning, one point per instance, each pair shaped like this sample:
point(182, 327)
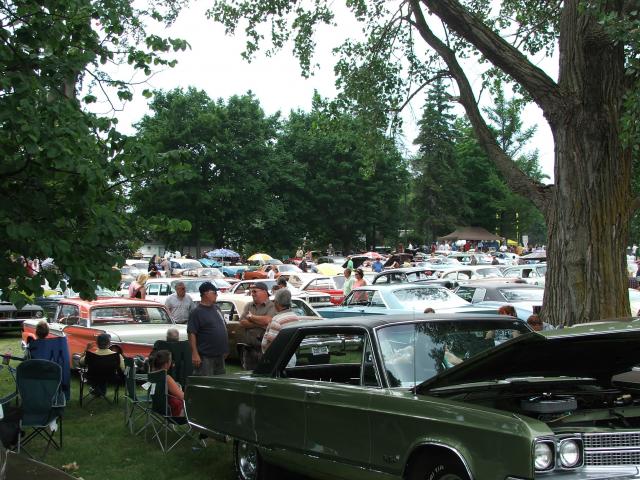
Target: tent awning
point(471, 233)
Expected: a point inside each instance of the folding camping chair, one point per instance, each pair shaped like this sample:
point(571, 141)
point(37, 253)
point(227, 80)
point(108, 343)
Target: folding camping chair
point(57, 350)
point(100, 372)
point(160, 420)
point(134, 407)
point(42, 402)
point(182, 366)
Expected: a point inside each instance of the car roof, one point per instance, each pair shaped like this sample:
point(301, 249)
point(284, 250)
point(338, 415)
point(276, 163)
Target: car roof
point(375, 321)
point(396, 286)
point(501, 283)
point(110, 302)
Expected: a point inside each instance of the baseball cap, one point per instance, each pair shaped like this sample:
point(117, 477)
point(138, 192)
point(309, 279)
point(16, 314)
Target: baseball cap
point(207, 287)
point(259, 286)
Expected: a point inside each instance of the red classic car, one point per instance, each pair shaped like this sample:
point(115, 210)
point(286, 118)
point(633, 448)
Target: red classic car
point(134, 325)
point(311, 282)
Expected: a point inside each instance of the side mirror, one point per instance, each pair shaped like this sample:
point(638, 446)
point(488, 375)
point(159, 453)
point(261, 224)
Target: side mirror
point(235, 318)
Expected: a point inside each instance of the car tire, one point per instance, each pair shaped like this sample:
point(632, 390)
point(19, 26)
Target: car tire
point(248, 463)
point(443, 468)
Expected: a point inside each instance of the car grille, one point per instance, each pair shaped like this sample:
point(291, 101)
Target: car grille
point(605, 449)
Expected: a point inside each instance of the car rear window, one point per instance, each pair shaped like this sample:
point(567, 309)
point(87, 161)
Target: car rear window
point(128, 315)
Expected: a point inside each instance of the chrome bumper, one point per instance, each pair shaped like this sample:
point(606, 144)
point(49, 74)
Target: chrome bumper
point(628, 472)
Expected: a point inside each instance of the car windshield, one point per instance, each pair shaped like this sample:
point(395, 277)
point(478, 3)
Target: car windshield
point(522, 294)
point(541, 270)
point(124, 315)
point(420, 275)
point(339, 282)
point(188, 264)
point(413, 295)
point(415, 352)
point(487, 272)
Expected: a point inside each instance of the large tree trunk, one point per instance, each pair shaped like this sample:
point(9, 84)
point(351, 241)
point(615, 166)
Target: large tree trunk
point(587, 210)
point(588, 215)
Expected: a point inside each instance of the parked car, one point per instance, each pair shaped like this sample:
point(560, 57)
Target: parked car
point(533, 273)
point(159, 289)
point(394, 299)
point(11, 318)
point(315, 299)
point(471, 272)
point(405, 275)
point(134, 325)
point(232, 307)
point(263, 271)
point(377, 398)
point(311, 282)
point(178, 265)
point(500, 291)
point(212, 272)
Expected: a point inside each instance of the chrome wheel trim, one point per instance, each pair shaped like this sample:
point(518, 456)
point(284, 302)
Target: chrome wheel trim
point(247, 459)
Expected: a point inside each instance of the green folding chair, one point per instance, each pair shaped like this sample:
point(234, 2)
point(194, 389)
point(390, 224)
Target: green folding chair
point(135, 407)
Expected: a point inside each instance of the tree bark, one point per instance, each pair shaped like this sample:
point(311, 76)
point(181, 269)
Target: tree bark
point(589, 214)
point(587, 211)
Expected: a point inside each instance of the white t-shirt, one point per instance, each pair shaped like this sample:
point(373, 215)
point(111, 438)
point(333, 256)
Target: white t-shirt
point(179, 308)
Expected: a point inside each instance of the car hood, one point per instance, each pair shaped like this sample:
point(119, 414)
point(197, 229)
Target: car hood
point(589, 351)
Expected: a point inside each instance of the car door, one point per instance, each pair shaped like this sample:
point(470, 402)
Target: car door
point(336, 407)
point(153, 292)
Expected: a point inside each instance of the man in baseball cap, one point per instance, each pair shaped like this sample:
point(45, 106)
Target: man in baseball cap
point(207, 332)
point(255, 318)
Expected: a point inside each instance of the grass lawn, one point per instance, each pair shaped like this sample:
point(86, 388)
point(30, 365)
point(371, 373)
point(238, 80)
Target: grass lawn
point(96, 439)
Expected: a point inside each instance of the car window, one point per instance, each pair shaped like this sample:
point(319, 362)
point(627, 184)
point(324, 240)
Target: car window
point(413, 353)
point(153, 289)
point(479, 295)
point(301, 309)
point(128, 315)
point(466, 293)
point(522, 294)
point(295, 280)
point(331, 357)
point(165, 289)
point(512, 273)
point(359, 297)
point(227, 310)
point(541, 270)
point(487, 273)
point(68, 314)
point(382, 279)
point(338, 282)
point(408, 295)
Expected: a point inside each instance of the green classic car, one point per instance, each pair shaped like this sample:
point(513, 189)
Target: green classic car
point(461, 397)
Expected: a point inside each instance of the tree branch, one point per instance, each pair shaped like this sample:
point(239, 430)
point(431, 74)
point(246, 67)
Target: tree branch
point(519, 182)
point(443, 74)
point(541, 87)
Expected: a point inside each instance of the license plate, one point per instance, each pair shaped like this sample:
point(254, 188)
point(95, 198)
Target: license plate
point(323, 350)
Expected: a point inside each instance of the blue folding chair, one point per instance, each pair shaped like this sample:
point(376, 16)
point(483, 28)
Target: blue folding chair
point(57, 350)
point(42, 402)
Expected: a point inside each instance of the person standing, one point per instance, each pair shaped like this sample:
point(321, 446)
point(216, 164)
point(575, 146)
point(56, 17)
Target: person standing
point(282, 304)
point(348, 282)
point(166, 266)
point(254, 319)
point(153, 264)
point(377, 266)
point(180, 304)
point(360, 281)
point(207, 333)
point(137, 288)
point(350, 263)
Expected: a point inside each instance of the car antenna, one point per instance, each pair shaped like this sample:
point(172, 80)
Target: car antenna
point(415, 326)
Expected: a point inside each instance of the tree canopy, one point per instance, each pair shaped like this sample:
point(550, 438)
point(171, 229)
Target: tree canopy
point(590, 108)
point(62, 169)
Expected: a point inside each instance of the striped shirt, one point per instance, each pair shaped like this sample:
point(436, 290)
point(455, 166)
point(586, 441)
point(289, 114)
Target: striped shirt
point(276, 324)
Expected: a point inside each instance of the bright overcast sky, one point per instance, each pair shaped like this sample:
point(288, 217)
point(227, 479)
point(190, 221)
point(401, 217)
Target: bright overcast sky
point(214, 64)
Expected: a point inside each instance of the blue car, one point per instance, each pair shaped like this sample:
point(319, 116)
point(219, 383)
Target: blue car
point(393, 299)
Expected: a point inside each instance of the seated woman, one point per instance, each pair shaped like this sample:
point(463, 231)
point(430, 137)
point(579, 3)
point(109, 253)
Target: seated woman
point(162, 361)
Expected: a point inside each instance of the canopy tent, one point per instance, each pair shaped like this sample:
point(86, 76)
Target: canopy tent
point(471, 233)
point(222, 253)
point(511, 243)
point(259, 257)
